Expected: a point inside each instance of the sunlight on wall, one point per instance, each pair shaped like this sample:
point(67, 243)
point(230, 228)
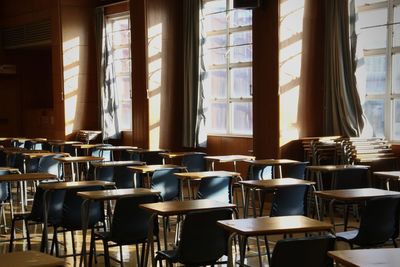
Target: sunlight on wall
point(71, 82)
point(154, 83)
point(290, 51)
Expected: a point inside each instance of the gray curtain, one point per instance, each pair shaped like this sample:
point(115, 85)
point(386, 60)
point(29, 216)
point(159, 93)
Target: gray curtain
point(193, 113)
point(106, 80)
point(343, 112)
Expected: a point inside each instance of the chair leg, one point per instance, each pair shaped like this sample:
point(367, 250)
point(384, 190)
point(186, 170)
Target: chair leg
point(143, 254)
point(137, 254)
point(73, 245)
point(12, 236)
point(106, 254)
point(28, 237)
point(394, 242)
point(121, 257)
point(91, 249)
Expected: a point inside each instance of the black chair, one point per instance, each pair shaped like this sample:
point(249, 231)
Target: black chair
point(259, 172)
point(48, 164)
point(106, 154)
point(297, 170)
point(125, 178)
point(167, 183)
point(71, 150)
point(218, 188)
point(36, 215)
point(195, 162)
point(296, 252)
point(150, 157)
point(350, 179)
point(71, 219)
point(5, 198)
point(202, 241)
point(129, 226)
point(290, 200)
point(379, 223)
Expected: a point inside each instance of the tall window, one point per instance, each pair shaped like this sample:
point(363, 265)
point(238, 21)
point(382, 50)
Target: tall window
point(227, 58)
point(379, 23)
point(118, 30)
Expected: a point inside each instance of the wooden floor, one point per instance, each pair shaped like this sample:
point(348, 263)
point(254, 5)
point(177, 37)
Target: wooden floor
point(128, 252)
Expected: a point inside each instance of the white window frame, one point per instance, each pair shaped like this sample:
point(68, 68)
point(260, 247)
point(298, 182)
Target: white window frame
point(230, 100)
point(389, 96)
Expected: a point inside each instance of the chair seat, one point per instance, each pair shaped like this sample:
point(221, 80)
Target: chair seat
point(171, 255)
point(347, 236)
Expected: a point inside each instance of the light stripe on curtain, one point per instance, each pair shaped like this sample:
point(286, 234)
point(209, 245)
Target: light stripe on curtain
point(106, 80)
point(193, 113)
point(343, 112)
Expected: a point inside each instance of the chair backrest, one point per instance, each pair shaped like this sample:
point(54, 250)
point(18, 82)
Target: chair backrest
point(217, 188)
point(123, 177)
point(102, 173)
point(71, 218)
point(296, 252)
point(210, 239)
point(68, 148)
point(291, 200)
point(195, 162)
point(379, 222)
point(130, 222)
point(167, 183)
point(3, 159)
point(55, 205)
point(4, 188)
point(294, 170)
point(106, 154)
point(31, 165)
point(151, 157)
point(351, 178)
point(49, 165)
point(258, 172)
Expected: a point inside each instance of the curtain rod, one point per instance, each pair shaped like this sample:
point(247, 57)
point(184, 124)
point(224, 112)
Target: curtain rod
point(116, 3)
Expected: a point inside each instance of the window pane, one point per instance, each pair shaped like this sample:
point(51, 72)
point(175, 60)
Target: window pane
point(216, 41)
point(241, 18)
point(217, 116)
point(241, 53)
point(215, 56)
point(216, 83)
point(396, 74)
point(373, 38)
point(120, 24)
point(372, 17)
point(122, 66)
point(215, 16)
point(124, 87)
point(122, 53)
point(375, 112)
point(396, 126)
point(241, 82)
point(121, 38)
point(396, 27)
point(126, 115)
point(242, 118)
point(375, 67)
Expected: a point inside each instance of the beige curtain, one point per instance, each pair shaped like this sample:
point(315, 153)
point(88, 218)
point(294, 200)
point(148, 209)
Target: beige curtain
point(342, 109)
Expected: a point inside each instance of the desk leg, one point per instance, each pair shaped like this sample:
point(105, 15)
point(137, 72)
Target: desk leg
point(165, 226)
point(331, 214)
point(190, 189)
point(46, 201)
point(150, 240)
point(317, 206)
point(230, 252)
point(279, 171)
point(85, 221)
point(246, 203)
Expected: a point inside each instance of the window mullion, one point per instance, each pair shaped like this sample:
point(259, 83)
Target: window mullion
point(389, 118)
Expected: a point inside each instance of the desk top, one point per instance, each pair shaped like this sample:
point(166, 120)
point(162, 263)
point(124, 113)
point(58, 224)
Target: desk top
point(382, 257)
point(36, 155)
point(116, 148)
point(229, 158)
point(62, 142)
point(389, 174)
point(275, 183)
point(10, 169)
point(171, 155)
point(87, 146)
point(273, 162)
point(99, 164)
point(30, 258)
point(26, 177)
point(274, 225)
point(355, 194)
point(181, 207)
point(333, 168)
point(153, 168)
point(206, 174)
point(71, 185)
point(117, 193)
point(79, 159)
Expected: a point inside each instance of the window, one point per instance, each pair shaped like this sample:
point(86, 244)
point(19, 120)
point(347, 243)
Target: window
point(227, 58)
point(379, 24)
point(118, 32)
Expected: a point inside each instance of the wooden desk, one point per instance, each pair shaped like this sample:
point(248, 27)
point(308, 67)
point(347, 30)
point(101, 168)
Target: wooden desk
point(61, 144)
point(387, 176)
point(319, 169)
point(269, 226)
point(188, 176)
point(116, 148)
point(173, 155)
point(382, 257)
point(103, 195)
point(153, 168)
point(22, 178)
point(228, 158)
point(10, 169)
point(30, 258)
point(49, 187)
point(350, 196)
point(126, 163)
point(275, 163)
point(85, 147)
point(171, 208)
point(271, 184)
point(74, 161)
